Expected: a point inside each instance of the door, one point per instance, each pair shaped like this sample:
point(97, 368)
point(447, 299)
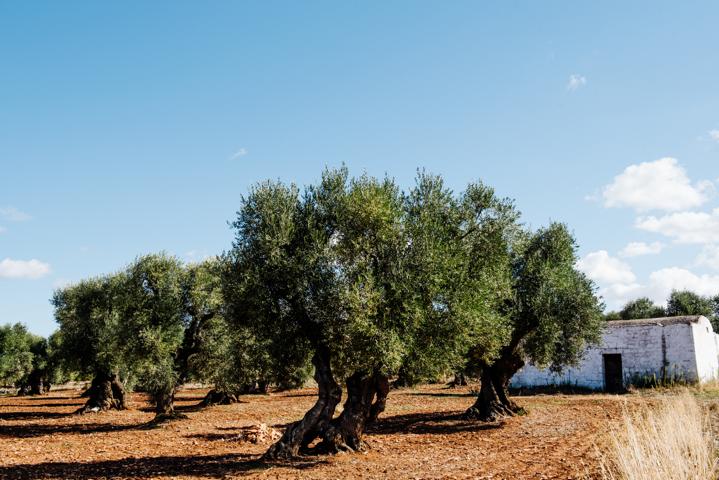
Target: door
point(613, 377)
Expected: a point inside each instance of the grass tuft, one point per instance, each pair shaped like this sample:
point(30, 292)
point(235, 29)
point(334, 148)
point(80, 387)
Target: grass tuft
point(669, 441)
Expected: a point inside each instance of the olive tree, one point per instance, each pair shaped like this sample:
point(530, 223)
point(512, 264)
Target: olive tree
point(153, 326)
point(16, 356)
point(90, 325)
point(552, 316)
point(321, 275)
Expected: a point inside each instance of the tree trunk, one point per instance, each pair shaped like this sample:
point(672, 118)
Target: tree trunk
point(34, 384)
point(493, 402)
point(488, 406)
point(382, 387)
point(460, 380)
point(105, 393)
point(300, 434)
point(218, 397)
point(165, 406)
point(344, 434)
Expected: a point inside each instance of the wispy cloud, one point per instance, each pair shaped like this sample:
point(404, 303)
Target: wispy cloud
point(239, 153)
point(3, 229)
point(636, 249)
point(30, 269)
point(714, 135)
point(576, 81)
point(12, 214)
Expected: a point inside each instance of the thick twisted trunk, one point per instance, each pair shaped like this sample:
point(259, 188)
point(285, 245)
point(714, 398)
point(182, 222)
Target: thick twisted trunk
point(36, 383)
point(366, 399)
point(493, 401)
point(165, 406)
point(302, 433)
point(105, 393)
point(218, 397)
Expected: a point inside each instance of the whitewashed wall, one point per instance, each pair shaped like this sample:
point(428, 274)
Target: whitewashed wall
point(707, 353)
point(689, 347)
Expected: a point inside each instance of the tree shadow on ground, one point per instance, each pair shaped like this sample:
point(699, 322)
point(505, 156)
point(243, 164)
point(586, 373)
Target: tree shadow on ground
point(39, 430)
point(212, 466)
point(429, 423)
point(38, 405)
point(31, 415)
point(439, 394)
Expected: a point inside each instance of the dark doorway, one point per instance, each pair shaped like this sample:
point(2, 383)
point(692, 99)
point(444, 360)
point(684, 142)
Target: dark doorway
point(613, 377)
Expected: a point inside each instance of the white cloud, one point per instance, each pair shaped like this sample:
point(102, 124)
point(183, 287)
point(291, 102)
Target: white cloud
point(12, 214)
point(31, 269)
point(605, 269)
point(684, 227)
point(239, 153)
point(659, 185)
point(714, 135)
point(662, 282)
point(636, 249)
point(576, 81)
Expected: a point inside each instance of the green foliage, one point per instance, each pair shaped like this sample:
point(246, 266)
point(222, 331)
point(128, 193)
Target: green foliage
point(151, 308)
point(685, 302)
point(89, 320)
point(555, 313)
point(458, 266)
point(641, 308)
point(16, 353)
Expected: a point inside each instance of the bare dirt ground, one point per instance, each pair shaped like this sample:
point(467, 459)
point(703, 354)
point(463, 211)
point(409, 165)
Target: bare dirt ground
point(419, 436)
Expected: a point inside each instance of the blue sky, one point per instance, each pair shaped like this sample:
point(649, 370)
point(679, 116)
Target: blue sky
point(135, 127)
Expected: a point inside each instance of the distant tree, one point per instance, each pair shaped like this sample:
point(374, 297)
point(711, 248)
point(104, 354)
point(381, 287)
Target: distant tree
point(552, 317)
point(641, 308)
point(612, 315)
point(89, 325)
point(38, 380)
point(16, 356)
point(685, 302)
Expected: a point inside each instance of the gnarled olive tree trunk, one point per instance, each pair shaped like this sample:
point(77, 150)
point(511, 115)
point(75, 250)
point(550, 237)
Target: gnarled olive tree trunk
point(302, 433)
point(344, 433)
point(493, 401)
point(218, 397)
point(105, 393)
point(36, 383)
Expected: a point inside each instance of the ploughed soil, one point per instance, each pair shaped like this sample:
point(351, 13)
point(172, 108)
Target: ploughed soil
point(421, 435)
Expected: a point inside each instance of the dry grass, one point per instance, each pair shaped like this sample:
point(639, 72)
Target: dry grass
point(671, 440)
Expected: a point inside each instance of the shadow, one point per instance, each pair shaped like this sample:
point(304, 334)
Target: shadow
point(212, 466)
point(30, 431)
point(39, 398)
point(36, 405)
point(31, 415)
point(551, 390)
point(190, 399)
point(430, 423)
point(294, 395)
point(439, 394)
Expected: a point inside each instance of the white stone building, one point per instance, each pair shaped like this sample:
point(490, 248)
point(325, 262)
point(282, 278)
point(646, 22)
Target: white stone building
point(638, 351)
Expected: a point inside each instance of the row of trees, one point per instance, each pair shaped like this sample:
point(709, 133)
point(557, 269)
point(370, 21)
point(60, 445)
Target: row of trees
point(361, 280)
point(27, 361)
point(680, 302)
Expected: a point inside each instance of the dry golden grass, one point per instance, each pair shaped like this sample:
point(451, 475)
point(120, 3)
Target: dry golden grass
point(671, 440)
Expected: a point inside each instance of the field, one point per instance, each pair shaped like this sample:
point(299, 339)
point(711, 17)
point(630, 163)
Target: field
point(419, 436)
